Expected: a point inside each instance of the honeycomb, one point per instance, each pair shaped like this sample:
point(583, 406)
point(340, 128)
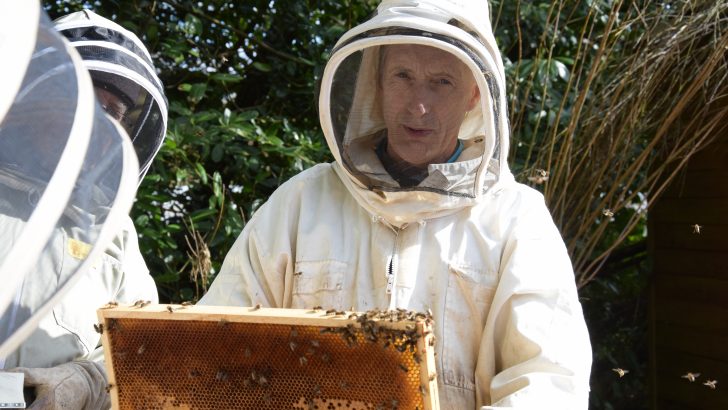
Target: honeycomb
point(252, 358)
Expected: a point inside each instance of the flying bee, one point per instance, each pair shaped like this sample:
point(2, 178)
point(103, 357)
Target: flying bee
point(620, 372)
point(99, 328)
point(696, 229)
point(607, 212)
point(711, 383)
point(541, 176)
point(690, 376)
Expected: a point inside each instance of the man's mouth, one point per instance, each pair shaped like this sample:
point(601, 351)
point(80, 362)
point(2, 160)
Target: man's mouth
point(417, 132)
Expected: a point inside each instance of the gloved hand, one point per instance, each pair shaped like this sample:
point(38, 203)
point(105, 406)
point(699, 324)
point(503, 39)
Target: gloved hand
point(79, 385)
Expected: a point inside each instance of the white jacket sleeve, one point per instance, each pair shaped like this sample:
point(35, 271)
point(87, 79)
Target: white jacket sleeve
point(535, 334)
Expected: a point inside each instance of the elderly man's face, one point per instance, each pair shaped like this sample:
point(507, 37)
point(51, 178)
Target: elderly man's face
point(426, 93)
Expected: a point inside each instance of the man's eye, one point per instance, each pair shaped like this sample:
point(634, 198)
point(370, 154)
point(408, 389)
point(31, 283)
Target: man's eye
point(402, 75)
point(444, 81)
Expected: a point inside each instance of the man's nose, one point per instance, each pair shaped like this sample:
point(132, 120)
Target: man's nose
point(419, 102)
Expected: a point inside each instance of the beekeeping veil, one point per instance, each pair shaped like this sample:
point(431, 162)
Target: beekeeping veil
point(353, 122)
point(120, 64)
point(67, 171)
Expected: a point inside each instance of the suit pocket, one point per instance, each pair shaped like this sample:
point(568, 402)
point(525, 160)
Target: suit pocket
point(319, 283)
point(469, 295)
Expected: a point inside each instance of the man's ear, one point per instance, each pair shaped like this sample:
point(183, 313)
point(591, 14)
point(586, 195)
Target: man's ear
point(475, 98)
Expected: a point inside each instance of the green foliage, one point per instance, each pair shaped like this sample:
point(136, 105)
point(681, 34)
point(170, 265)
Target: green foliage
point(240, 80)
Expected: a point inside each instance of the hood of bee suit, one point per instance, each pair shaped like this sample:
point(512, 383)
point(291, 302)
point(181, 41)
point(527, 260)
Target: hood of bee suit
point(68, 172)
point(352, 118)
point(119, 63)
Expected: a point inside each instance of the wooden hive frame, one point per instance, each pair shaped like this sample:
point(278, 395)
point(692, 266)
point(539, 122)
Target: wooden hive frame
point(184, 357)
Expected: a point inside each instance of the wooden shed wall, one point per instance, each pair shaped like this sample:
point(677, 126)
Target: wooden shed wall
point(689, 297)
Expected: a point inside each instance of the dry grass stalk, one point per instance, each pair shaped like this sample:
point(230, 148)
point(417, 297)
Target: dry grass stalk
point(638, 109)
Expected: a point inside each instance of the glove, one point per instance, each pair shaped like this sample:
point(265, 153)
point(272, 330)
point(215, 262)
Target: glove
point(79, 385)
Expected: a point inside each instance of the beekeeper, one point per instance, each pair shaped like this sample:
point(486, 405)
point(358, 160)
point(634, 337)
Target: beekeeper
point(420, 211)
point(61, 359)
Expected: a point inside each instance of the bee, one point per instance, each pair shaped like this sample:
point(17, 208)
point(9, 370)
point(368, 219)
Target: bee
point(256, 307)
point(248, 353)
point(141, 303)
point(293, 346)
point(221, 376)
point(318, 308)
point(141, 349)
point(109, 387)
point(294, 332)
point(315, 343)
point(262, 381)
point(222, 323)
point(110, 304)
point(267, 398)
point(187, 303)
point(432, 377)
point(540, 177)
point(194, 373)
point(403, 368)
point(690, 376)
point(330, 311)
point(696, 229)
point(343, 385)
point(325, 358)
point(99, 328)
point(711, 383)
point(302, 360)
point(607, 212)
point(170, 309)
point(620, 372)
point(423, 389)
point(417, 357)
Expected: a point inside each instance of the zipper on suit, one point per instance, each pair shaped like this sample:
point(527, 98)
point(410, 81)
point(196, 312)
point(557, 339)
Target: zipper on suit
point(392, 265)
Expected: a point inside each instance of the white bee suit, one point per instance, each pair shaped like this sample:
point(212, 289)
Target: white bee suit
point(468, 242)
